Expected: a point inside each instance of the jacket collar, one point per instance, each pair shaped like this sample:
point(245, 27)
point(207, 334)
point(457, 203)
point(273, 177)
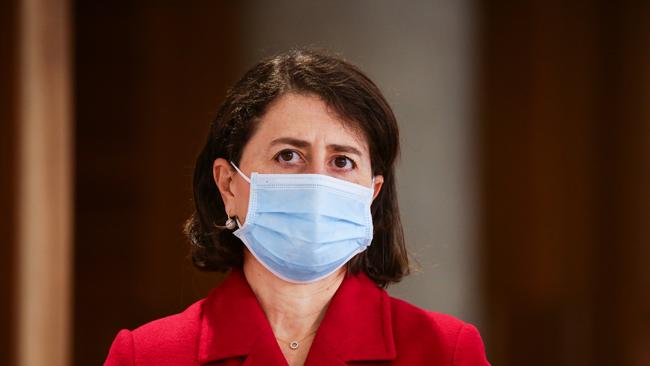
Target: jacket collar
point(356, 327)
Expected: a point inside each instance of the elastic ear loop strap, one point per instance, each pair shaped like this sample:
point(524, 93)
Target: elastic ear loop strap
point(240, 172)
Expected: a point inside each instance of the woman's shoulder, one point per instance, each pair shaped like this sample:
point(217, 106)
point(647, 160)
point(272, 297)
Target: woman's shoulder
point(172, 336)
point(460, 340)
point(407, 313)
point(179, 324)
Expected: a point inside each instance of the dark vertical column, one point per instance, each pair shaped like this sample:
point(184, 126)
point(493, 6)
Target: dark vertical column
point(150, 76)
point(8, 108)
point(564, 132)
point(623, 276)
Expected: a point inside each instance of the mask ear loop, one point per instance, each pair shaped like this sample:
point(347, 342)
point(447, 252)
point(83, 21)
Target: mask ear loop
point(240, 172)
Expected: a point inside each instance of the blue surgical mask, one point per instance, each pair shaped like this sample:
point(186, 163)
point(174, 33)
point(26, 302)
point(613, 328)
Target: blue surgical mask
point(304, 227)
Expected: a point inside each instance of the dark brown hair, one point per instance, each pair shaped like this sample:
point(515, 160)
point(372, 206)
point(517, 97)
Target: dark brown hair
point(357, 101)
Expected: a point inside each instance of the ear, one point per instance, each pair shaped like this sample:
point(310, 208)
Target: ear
point(379, 182)
point(222, 172)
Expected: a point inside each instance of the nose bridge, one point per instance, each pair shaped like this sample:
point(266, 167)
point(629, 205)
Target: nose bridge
point(317, 163)
point(316, 167)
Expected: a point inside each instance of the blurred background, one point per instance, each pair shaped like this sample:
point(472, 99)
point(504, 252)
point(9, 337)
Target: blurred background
point(524, 180)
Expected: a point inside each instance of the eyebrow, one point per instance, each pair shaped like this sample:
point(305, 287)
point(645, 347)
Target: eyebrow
point(303, 144)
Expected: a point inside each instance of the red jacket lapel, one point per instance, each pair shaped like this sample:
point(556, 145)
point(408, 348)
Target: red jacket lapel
point(356, 326)
point(234, 325)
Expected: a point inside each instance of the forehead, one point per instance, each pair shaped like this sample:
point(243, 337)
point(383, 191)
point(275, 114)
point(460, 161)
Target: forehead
point(308, 118)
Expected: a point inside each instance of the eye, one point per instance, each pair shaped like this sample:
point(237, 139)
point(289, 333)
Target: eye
point(343, 162)
point(287, 156)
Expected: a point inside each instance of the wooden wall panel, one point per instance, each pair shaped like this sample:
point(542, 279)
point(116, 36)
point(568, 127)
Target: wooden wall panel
point(150, 76)
point(624, 255)
point(565, 134)
point(8, 98)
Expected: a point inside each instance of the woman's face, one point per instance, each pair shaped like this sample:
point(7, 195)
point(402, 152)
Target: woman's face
point(298, 134)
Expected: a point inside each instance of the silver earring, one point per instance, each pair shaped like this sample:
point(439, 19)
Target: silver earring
point(231, 224)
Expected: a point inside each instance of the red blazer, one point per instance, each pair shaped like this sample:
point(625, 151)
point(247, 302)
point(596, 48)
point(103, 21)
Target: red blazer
point(362, 323)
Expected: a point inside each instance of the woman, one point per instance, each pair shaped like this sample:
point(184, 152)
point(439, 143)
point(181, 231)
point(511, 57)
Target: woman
point(295, 196)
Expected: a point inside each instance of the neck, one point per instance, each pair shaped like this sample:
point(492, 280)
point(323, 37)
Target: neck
point(293, 310)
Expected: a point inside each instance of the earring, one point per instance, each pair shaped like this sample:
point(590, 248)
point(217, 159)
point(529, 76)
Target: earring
point(231, 224)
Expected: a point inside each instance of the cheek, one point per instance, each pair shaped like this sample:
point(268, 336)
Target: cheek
point(242, 191)
point(365, 174)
